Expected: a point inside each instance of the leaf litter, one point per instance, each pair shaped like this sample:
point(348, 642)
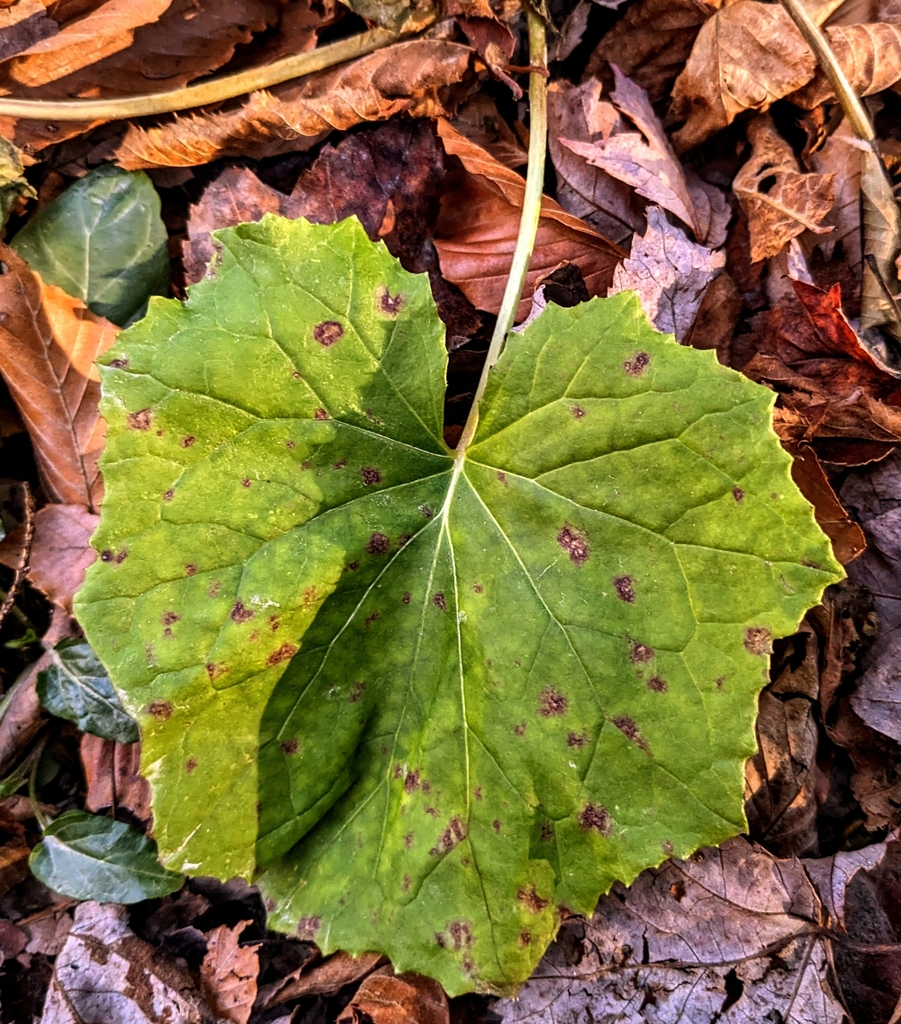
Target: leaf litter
point(732, 93)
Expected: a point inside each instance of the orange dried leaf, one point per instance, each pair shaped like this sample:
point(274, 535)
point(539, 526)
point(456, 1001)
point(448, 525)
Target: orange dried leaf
point(228, 974)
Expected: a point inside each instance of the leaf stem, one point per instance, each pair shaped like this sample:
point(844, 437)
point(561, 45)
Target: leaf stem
point(219, 89)
point(529, 218)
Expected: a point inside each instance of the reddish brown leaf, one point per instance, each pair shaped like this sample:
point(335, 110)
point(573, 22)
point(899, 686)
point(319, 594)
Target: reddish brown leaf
point(747, 56)
point(410, 77)
point(228, 974)
point(386, 998)
point(842, 156)
point(48, 343)
point(780, 201)
point(320, 978)
point(479, 222)
point(113, 779)
point(61, 551)
point(848, 541)
point(478, 119)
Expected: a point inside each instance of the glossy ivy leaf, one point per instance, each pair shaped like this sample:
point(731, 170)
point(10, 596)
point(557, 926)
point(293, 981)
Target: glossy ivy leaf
point(438, 699)
point(103, 241)
point(75, 686)
point(89, 857)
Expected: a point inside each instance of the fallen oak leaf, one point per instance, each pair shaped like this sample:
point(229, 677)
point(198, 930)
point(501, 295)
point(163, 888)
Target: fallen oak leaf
point(228, 974)
point(406, 77)
point(479, 222)
point(779, 200)
point(669, 272)
point(747, 56)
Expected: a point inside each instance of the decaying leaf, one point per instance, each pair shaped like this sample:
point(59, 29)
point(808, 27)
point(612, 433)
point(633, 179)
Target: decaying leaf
point(113, 779)
point(106, 973)
point(479, 222)
point(48, 342)
point(386, 998)
point(747, 56)
point(61, 551)
point(669, 272)
point(579, 115)
point(870, 56)
point(277, 619)
point(228, 974)
point(22, 24)
point(832, 875)
point(842, 157)
point(409, 77)
point(651, 42)
point(646, 161)
point(779, 200)
point(318, 977)
point(728, 936)
point(833, 393)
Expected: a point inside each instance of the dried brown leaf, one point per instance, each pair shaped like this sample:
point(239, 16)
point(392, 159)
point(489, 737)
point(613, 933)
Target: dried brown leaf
point(112, 773)
point(578, 114)
point(479, 221)
point(478, 119)
point(411, 77)
point(832, 875)
point(61, 551)
point(386, 998)
point(320, 978)
point(747, 56)
point(780, 200)
point(651, 42)
point(870, 56)
point(848, 541)
point(22, 25)
point(48, 343)
point(669, 272)
point(842, 156)
point(228, 974)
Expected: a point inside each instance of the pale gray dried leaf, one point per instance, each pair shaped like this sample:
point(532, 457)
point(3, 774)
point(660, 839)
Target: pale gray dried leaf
point(578, 114)
point(660, 951)
point(842, 155)
point(106, 973)
point(670, 274)
point(832, 875)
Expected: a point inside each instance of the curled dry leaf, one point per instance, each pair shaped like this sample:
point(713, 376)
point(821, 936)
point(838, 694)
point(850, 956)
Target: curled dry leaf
point(651, 42)
point(779, 200)
point(48, 342)
point(408, 77)
point(833, 394)
point(386, 998)
point(842, 156)
point(479, 222)
point(747, 56)
point(870, 56)
point(61, 551)
point(228, 974)
point(727, 936)
point(106, 973)
point(832, 875)
point(113, 779)
point(670, 274)
point(320, 978)
point(578, 114)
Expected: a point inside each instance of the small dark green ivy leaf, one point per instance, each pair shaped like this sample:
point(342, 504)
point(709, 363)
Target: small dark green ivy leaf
point(439, 699)
point(89, 857)
point(75, 686)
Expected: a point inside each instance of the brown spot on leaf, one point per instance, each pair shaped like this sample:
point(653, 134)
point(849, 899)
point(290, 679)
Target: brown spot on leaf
point(274, 623)
point(440, 602)
point(552, 703)
point(290, 444)
point(461, 934)
point(161, 710)
point(478, 793)
point(757, 640)
point(106, 556)
point(340, 464)
point(215, 588)
point(240, 613)
point(631, 731)
point(503, 479)
point(353, 566)
point(640, 653)
point(408, 840)
point(321, 414)
point(186, 442)
point(371, 618)
point(546, 832)
point(425, 511)
point(625, 589)
point(190, 764)
point(519, 729)
point(170, 617)
point(406, 598)
point(308, 928)
point(657, 685)
point(378, 544)
point(497, 826)
point(636, 366)
point(577, 411)
point(430, 811)
point(405, 886)
point(452, 836)
point(595, 818)
point(388, 303)
point(411, 782)
point(529, 898)
point(369, 475)
point(667, 847)
point(123, 554)
point(720, 681)
point(328, 332)
point(356, 692)
point(290, 746)
point(477, 588)
point(190, 568)
point(525, 938)
point(167, 633)
point(738, 494)
point(574, 544)
point(245, 482)
point(169, 495)
point(577, 740)
point(140, 420)
point(118, 364)
point(283, 653)
point(215, 671)
point(439, 938)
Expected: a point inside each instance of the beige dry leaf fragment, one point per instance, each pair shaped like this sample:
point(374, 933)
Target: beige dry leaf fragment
point(646, 161)
point(228, 974)
point(408, 77)
point(870, 56)
point(747, 56)
point(780, 201)
point(669, 272)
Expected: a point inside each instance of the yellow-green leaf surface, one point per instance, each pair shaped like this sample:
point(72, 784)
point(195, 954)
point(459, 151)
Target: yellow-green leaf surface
point(436, 700)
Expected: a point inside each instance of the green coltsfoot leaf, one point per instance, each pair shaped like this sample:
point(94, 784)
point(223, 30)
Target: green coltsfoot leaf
point(89, 857)
point(439, 698)
point(103, 241)
point(75, 686)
